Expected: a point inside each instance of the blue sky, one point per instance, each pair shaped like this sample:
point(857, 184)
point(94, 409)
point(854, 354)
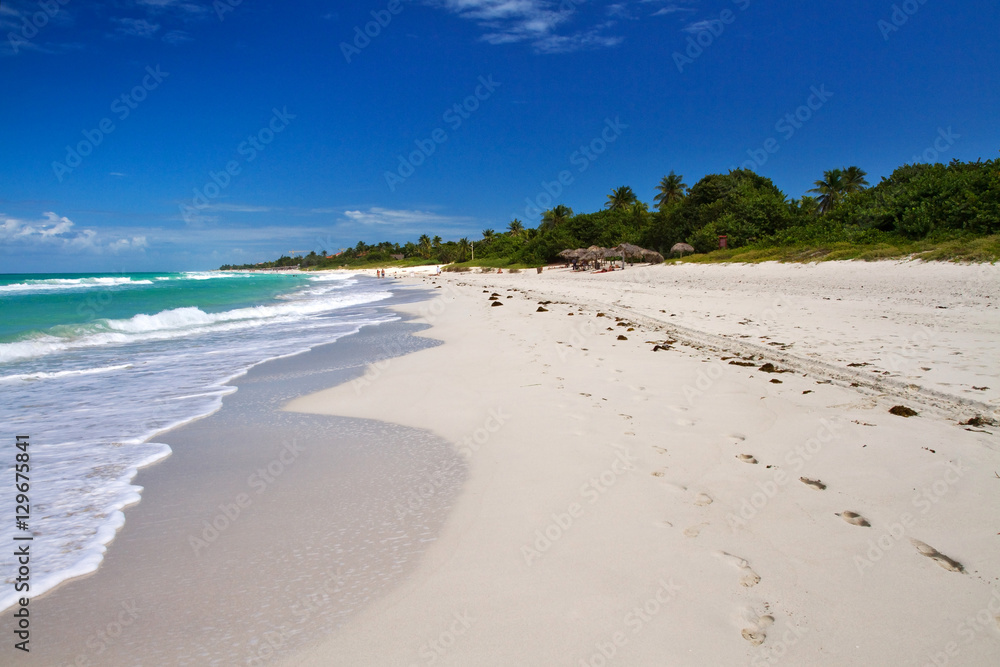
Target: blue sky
point(178, 134)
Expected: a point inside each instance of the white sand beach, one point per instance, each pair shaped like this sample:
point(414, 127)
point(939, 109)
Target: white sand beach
point(682, 506)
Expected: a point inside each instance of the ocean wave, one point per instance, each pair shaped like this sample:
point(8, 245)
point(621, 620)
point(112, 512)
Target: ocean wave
point(120, 382)
point(62, 374)
point(211, 275)
point(174, 323)
point(52, 284)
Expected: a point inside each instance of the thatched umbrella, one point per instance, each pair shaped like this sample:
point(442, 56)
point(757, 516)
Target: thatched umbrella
point(652, 257)
point(681, 248)
point(630, 250)
point(568, 253)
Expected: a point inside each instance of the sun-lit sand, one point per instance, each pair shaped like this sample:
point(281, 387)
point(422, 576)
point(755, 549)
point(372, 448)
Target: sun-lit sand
point(685, 506)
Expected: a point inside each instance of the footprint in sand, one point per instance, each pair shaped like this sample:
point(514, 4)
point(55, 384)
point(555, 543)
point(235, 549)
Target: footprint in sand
point(854, 519)
point(755, 632)
point(748, 578)
point(747, 458)
point(814, 483)
point(694, 531)
point(685, 422)
point(703, 499)
point(938, 557)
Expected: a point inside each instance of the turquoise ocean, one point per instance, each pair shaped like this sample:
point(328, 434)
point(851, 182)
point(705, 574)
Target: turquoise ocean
point(93, 367)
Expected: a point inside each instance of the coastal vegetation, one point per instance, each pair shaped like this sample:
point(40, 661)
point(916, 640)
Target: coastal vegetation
point(930, 211)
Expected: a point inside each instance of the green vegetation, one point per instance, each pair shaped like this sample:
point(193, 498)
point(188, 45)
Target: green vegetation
point(926, 211)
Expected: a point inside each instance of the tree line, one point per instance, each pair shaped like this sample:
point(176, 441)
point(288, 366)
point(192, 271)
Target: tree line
point(916, 202)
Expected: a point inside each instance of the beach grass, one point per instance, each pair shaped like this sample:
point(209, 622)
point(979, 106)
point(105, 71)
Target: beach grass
point(973, 249)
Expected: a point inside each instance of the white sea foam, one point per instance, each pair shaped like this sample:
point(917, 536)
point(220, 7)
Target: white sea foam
point(179, 323)
point(55, 284)
point(62, 374)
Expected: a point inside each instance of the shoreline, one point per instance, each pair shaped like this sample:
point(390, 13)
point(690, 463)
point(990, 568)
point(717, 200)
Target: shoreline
point(234, 518)
point(623, 479)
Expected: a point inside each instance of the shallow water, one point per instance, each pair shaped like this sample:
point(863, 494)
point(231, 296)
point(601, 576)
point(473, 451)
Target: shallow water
point(264, 530)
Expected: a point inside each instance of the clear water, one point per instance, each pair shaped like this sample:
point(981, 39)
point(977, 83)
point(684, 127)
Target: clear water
point(92, 367)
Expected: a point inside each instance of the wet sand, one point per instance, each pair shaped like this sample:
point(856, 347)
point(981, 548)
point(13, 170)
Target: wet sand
point(263, 530)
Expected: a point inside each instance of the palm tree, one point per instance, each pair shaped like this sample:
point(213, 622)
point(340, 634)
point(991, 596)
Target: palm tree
point(516, 227)
point(425, 245)
point(463, 248)
point(807, 205)
point(671, 188)
point(488, 235)
point(854, 180)
point(830, 190)
point(621, 198)
point(436, 242)
point(556, 216)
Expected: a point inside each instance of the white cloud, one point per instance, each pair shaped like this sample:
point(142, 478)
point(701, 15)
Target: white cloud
point(135, 27)
point(403, 218)
point(702, 26)
point(532, 21)
point(59, 232)
point(237, 208)
point(178, 6)
point(672, 6)
point(175, 37)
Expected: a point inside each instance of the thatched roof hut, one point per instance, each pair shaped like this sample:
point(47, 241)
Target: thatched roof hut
point(652, 257)
point(629, 250)
point(681, 248)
